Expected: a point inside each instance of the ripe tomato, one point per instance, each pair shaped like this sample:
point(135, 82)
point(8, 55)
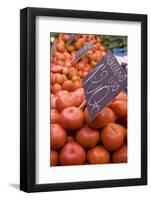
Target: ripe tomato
point(53, 102)
point(56, 68)
point(54, 157)
point(54, 116)
point(58, 136)
point(75, 78)
point(87, 137)
point(72, 72)
point(72, 154)
point(60, 47)
point(98, 155)
point(78, 96)
point(64, 101)
point(68, 85)
point(65, 70)
point(61, 92)
point(112, 136)
point(71, 118)
point(60, 56)
point(102, 119)
point(120, 156)
point(119, 107)
point(59, 78)
point(55, 88)
point(77, 85)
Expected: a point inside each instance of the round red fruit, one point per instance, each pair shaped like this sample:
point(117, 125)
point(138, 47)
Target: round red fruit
point(64, 101)
point(55, 88)
point(68, 85)
point(87, 137)
point(72, 154)
point(102, 119)
point(112, 136)
point(120, 156)
point(71, 118)
point(58, 136)
point(54, 116)
point(98, 155)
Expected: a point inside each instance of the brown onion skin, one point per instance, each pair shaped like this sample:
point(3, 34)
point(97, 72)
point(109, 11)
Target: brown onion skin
point(72, 154)
point(87, 137)
point(71, 118)
point(58, 136)
point(54, 157)
point(112, 136)
point(102, 119)
point(120, 155)
point(98, 155)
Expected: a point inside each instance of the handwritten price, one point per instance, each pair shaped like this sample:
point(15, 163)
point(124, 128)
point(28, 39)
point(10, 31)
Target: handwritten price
point(103, 83)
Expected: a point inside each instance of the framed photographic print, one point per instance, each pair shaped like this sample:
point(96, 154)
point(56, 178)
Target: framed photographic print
point(83, 99)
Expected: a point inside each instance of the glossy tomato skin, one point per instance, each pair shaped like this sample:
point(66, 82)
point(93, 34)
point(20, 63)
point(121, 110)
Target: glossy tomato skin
point(54, 116)
point(120, 156)
point(98, 155)
point(78, 96)
point(68, 85)
point(102, 119)
point(87, 137)
point(119, 107)
point(54, 157)
point(71, 118)
point(64, 101)
point(112, 136)
point(61, 92)
point(58, 136)
point(53, 102)
point(72, 154)
point(55, 88)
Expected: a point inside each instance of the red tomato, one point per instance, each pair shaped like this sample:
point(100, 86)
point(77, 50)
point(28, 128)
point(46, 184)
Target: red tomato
point(87, 137)
point(119, 107)
point(64, 101)
point(77, 85)
point(72, 154)
point(98, 155)
point(55, 88)
point(78, 96)
point(71, 118)
point(120, 156)
point(54, 116)
point(68, 85)
point(59, 78)
point(61, 92)
point(53, 102)
point(102, 119)
point(60, 47)
point(58, 136)
point(112, 136)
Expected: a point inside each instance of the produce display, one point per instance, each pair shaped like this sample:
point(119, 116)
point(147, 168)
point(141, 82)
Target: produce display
point(74, 139)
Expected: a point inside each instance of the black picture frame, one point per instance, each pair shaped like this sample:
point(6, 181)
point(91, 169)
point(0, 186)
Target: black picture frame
point(28, 98)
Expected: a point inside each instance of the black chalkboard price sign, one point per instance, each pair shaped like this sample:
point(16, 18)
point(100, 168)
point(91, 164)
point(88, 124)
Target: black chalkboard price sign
point(103, 83)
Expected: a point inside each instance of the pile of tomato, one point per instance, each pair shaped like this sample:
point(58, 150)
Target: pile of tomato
point(74, 139)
